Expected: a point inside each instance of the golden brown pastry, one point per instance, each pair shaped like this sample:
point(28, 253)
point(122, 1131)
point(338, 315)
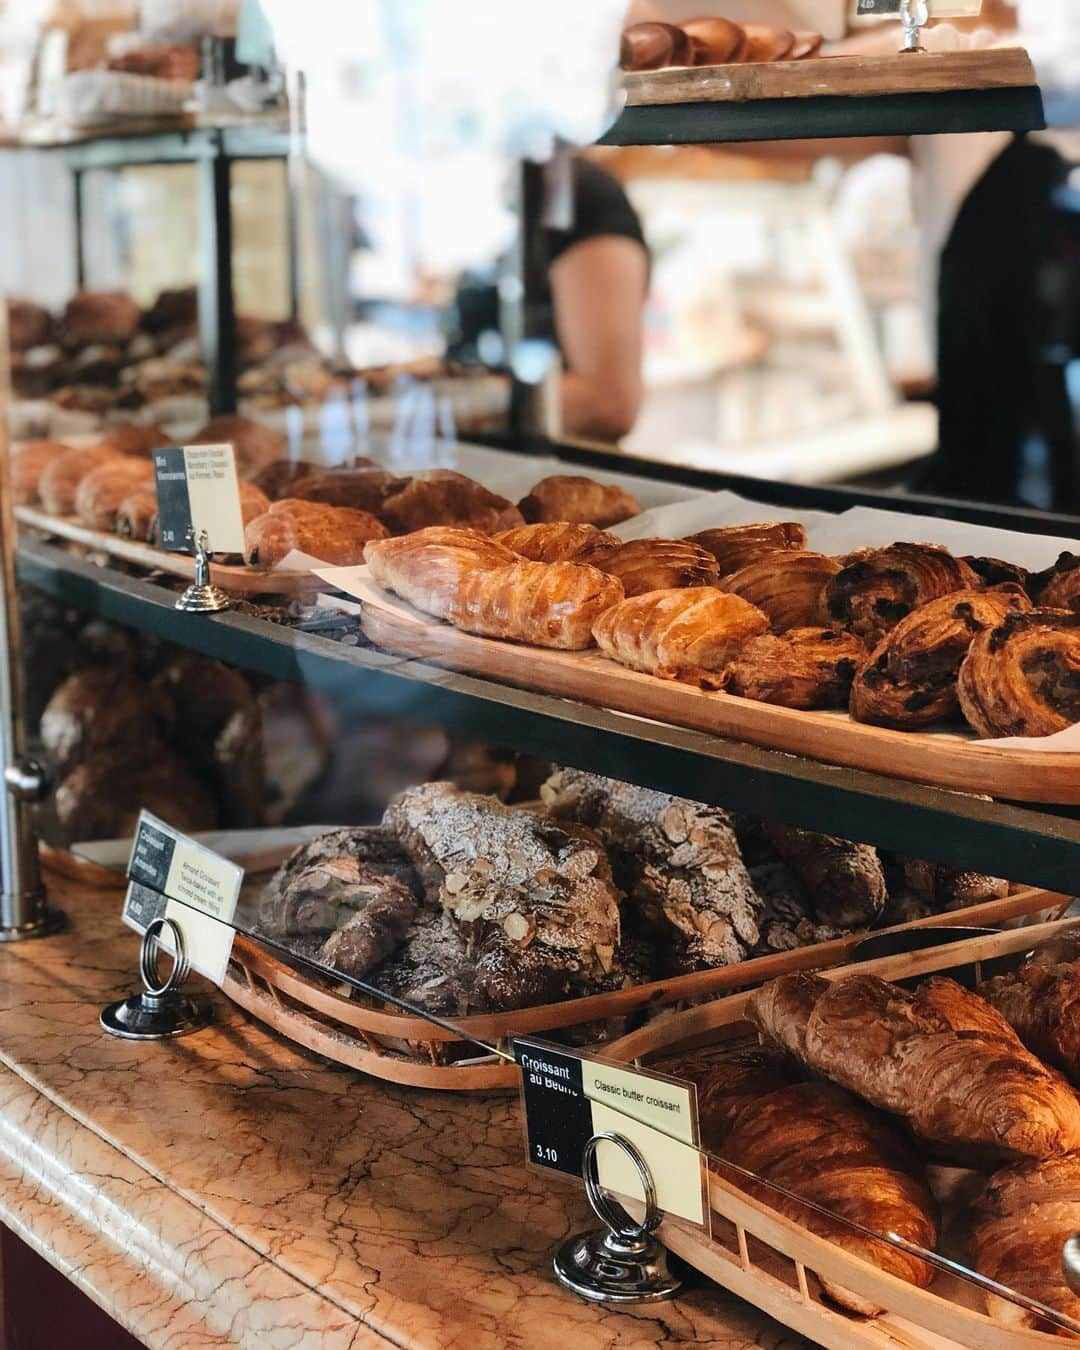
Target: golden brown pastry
point(427, 567)
point(1023, 677)
point(882, 586)
point(736, 546)
point(714, 41)
point(578, 500)
point(1059, 587)
point(277, 479)
point(551, 543)
point(941, 1058)
point(365, 488)
point(137, 515)
point(909, 681)
point(61, 478)
point(29, 325)
point(1042, 1005)
point(99, 316)
point(29, 462)
point(684, 634)
point(133, 440)
point(652, 45)
point(167, 61)
point(820, 1143)
point(1020, 1226)
point(101, 491)
point(995, 571)
point(443, 497)
point(802, 668)
point(788, 586)
point(254, 446)
point(542, 604)
point(845, 880)
point(645, 565)
point(764, 43)
point(333, 534)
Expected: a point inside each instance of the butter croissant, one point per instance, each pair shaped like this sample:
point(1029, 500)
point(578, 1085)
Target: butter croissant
point(879, 587)
point(572, 497)
point(563, 541)
point(426, 568)
point(788, 586)
point(336, 535)
point(802, 668)
point(910, 679)
point(1042, 1005)
point(681, 634)
point(734, 546)
point(543, 604)
point(1023, 677)
point(644, 565)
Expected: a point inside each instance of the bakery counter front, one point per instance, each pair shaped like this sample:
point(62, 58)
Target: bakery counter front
point(228, 1189)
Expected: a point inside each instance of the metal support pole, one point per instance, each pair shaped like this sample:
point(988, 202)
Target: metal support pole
point(217, 310)
point(23, 911)
point(78, 190)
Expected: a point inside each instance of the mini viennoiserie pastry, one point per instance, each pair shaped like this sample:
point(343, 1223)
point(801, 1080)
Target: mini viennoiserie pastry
point(1023, 677)
point(333, 534)
point(559, 542)
point(687, 635)
point(101, 491)
point(578, 500)
point(714, 41)
point(60, 479)
point(363, 488)
point(846, 880)
point(28, 463)
point(735, 546)
point(940, 1058)
point(254, 446)
point(134, 440)
point(1059, 587)
point(443, 497)
point(652, 45)
point(788, 586)
point(802, 668)
point(427, 567)
point(99, 316)
point(910, 678)
point(542, 604)
point(658, 565)
point(882, 586)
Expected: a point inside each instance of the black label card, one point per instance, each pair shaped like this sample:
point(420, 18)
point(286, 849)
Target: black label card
point(151, 856)
point(558, 1115)
point(889, 8)
point(174, 500)
point(142, 906)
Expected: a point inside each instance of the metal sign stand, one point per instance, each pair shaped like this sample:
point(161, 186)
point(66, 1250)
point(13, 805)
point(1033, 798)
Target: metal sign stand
point(202, 596)
point(914, 15)
point(623, 1263)
point(162, 1010)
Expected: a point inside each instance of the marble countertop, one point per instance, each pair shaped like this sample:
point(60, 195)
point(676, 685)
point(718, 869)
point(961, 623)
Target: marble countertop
point(227, 1189)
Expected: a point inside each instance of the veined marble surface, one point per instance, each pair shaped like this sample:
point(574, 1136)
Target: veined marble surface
point(228, 1190)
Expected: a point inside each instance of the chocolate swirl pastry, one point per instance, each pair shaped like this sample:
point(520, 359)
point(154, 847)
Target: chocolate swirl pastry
point(1023, 677)
point(652, 45)
point(787, 586)
point(645, 565)
point(910, 679)
point(802, 668)
point(879, 587)
point(1059, 586)
point(735, 546)
point(995, 571)
point(559, 542)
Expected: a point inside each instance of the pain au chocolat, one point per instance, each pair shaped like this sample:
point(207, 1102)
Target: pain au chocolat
point(801, 668)
point(881, 586)
point(1022, 678)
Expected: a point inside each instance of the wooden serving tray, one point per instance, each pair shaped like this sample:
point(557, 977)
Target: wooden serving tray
point(843, 76)
point(942, 759)
point(770, 1260)
point(406, 1049)
point(238, 579)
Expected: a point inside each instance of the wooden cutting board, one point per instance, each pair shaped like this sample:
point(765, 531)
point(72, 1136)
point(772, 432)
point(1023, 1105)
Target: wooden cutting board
point(949, 759)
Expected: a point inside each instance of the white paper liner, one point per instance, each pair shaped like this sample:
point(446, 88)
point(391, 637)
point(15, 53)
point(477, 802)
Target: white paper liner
point(1062, 741)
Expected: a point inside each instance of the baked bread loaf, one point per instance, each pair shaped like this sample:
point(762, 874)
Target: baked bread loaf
point(941, 1058)
point(542, 604)
point(714, 41)
point(846, 881)
point(644, 565)
point(28, 463)
point(59, 481)
point(882, 586)
point(426, 568)
point(99, 316)
point(689, 635)
point(735, 546)
point(802, 668)
point(103, 798)
point(559, 542)
point(362, 489)
point(1023, 677)
point(1020, 1226)
point(1059, 588)
point(652, 45)
point(788, 586)
point(821, 1144)
point(254, 446)
point(101, 710)
point(910, 679)
point(333, 534)
point(443, 497)
point(101, 491)
point(578, 500)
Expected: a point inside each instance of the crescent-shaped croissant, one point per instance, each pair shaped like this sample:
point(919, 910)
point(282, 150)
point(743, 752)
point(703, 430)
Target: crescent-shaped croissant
point(787, 586)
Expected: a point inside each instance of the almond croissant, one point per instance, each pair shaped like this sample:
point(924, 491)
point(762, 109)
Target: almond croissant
point(802, 668)
point(1023, 677)
point(788, 586)
point(679, 634)
point(879, 587)
point(645, 565)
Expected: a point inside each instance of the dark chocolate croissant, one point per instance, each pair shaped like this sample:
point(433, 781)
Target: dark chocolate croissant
point(802, 668)
point(879, 587)
point(1059, 586)
point(1023, 677)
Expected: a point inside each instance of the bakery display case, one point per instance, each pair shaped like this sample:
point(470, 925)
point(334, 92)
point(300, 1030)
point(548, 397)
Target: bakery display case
point(770, 788)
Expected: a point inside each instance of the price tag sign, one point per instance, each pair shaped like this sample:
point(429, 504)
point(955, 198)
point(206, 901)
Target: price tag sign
point(569, 1097)
point(938, 9)
point(197, 491)
point(171, 876)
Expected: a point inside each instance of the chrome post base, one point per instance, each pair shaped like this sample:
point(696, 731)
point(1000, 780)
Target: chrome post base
point(45, 921)
point(162, 1010)
point(207, 599)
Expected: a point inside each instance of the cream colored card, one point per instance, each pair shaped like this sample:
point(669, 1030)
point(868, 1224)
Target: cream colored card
point(207, 942)
point(215, 496)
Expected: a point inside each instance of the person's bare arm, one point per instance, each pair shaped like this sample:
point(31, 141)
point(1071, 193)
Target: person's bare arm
point(598, 287)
